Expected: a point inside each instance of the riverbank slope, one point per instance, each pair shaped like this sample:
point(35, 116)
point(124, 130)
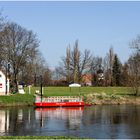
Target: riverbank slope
point(92, 95)
point(104, 99)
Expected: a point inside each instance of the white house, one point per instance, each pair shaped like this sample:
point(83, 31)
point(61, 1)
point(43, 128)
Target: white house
point(3, 84)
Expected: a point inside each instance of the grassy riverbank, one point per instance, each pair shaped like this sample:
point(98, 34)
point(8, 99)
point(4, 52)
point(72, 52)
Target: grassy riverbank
point(17, 100)
point(65, 91)
point(93, 95)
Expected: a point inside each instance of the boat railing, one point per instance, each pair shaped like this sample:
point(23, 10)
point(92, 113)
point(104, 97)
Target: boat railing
point(60, 99)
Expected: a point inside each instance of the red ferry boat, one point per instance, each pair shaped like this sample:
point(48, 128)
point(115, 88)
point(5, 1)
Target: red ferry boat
point(59, 101)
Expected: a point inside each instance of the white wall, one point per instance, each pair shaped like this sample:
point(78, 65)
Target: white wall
point(3, 84)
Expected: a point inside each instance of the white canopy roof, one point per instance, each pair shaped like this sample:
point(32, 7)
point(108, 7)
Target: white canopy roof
point(74, 85)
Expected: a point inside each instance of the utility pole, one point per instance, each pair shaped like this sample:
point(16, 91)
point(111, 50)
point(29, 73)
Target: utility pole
point(41, 86)
point(7, 73)
point(6, 81)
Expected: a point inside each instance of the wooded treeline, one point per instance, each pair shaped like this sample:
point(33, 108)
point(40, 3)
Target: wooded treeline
point(21, 59)
point(107, 71)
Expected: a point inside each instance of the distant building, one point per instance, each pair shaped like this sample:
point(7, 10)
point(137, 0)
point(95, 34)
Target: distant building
point(87, 79)
point(3, 84)
point(100, 77)
point(100, 74)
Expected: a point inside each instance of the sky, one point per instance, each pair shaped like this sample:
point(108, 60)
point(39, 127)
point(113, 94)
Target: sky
point(97, 25)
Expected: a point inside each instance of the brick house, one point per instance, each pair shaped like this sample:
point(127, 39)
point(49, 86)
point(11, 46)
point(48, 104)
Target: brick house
point(87, 79)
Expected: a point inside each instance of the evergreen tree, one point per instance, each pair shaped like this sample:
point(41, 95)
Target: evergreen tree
point(116, 71)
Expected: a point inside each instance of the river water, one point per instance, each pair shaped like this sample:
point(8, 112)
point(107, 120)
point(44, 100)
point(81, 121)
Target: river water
point(106, 121)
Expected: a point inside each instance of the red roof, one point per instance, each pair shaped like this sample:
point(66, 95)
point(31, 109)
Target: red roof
point(87, 78)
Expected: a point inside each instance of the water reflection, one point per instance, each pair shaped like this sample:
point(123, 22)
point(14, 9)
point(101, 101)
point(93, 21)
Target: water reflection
point(4, 121)
point(16, 121)
point(90, 122)
point(70, 116)
point(113, 121)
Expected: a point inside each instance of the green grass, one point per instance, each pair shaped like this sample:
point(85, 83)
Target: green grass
point(16, 99)
point(65, 91)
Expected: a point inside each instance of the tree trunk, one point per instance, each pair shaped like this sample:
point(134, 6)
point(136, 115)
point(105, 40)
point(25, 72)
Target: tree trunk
point(15, 83)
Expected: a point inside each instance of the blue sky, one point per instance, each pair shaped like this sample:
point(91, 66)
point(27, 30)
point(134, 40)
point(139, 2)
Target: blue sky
point(97, 25)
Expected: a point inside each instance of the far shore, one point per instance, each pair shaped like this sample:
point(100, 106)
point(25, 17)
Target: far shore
point(91, 95)
point(130, 100)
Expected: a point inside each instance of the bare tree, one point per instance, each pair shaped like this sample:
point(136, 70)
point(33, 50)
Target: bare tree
point(47, 77)
point(135, 44)
point(108, 66)
point(2, 24)
point(125, 75)
point(19, 45)
point(76, 61)
point(68, 56)
point(85, 63)
point(134, 72)
point(74, 64)
point(96, 63)
point(32, 70)
point(134, 65)
point(65, 66)
point(106, 70)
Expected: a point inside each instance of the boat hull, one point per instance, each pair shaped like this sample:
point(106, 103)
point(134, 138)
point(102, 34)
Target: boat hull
point(59, 104)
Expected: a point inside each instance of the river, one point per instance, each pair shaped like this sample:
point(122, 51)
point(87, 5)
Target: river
point(100, 121)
